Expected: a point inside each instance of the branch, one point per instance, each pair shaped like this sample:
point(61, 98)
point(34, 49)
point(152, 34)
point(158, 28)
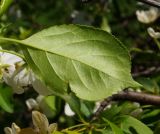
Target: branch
point(141, 98)
point(154, 3)
point(147, 72)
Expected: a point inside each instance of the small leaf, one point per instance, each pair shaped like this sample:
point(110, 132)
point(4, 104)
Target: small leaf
point(5, 98)
point(105, 26)
point(115, 129)
point(129, 122)
point(4, 5)
point(149, 85)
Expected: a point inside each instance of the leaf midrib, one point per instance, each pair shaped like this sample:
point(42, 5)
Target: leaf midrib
point(31, 46)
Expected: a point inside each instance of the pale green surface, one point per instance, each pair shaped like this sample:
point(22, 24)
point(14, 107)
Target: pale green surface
point(92, 62)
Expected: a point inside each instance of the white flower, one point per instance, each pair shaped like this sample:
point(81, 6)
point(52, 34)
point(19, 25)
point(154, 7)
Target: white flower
point(32, 104)
point(41, 103)
point(13, 73)
point(8, 62)
point(17, 76)
point(18, 80)
point(68, 111)
point(153, 34)
point(148, 16)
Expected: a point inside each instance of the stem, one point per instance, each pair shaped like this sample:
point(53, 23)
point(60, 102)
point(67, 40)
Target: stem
point(82, 129)
point(102, 106)
point(11, 40)
point(18, 41)
point(141, 98)
point(72, 127)
point(147, 72)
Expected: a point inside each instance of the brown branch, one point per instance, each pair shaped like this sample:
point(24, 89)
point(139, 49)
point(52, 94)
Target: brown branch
point(139, 97)
point(154, 3)
point(147, 72)
point(142, 98)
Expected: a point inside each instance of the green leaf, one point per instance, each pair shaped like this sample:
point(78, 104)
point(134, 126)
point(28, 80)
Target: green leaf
point(4, 5)
point(87, 107)
point(129, 124)
point(115, 128)
point(5, 98)
point(74, 103)
point(91, 61)
point(51, 105)
point(111, 113)
point(149, 84)
point(150, 116)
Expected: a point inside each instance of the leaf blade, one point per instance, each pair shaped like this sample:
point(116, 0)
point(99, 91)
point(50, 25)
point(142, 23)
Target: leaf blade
point(89, 60)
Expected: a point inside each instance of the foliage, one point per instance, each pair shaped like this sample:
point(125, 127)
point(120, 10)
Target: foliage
point(79, 65)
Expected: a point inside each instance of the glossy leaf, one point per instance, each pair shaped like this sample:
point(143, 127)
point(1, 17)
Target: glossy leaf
point(91, 61)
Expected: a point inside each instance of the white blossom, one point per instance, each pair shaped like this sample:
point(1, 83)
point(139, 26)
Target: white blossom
point(148, 16)
point(13, 73)
point(8, 62)
point(153, 34)
point(68, 111)
point(18, 80)
point(17, 76)
point(32, 104)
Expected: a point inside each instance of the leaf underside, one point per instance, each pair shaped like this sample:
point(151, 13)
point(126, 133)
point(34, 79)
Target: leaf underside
point(91, 61)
